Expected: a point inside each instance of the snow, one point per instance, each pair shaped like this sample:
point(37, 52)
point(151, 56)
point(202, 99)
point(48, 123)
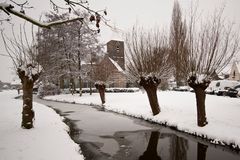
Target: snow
point(178, 110)
point(47, 140)
point(29, 70)
point(116, 65)
point(200, 78)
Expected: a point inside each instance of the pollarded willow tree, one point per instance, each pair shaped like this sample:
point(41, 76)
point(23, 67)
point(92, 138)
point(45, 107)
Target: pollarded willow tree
point(211, 47)
point(148, 61)
point(23, 54)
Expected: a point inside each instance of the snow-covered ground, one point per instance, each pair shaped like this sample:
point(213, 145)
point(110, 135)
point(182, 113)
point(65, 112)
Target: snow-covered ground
point(178, 109)
point(48, 140)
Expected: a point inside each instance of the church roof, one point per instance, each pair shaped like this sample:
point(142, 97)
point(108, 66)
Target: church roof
point(116, 65)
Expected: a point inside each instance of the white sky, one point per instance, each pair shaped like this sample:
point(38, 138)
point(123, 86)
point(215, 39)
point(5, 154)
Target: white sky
point(124, 14)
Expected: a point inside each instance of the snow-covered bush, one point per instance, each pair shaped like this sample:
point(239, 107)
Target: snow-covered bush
point(48, 89)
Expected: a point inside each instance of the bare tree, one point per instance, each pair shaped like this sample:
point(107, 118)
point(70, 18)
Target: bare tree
point(179, 52)
point(23, 55)
point(211, 46)
point(148, 56)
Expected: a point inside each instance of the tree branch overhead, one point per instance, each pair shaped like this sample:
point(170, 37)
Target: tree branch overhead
point(9, 9)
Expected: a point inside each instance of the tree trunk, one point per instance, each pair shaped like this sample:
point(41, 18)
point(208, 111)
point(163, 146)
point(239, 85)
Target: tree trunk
point(153, 99)
point(72, 86)
point(27, 113)
point(101, 90)
point(90, 83)
point(200, 99)
point(80, 86)
point(150, 85)
point(61, 82)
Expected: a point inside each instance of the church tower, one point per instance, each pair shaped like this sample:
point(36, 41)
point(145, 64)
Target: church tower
point(115, 50)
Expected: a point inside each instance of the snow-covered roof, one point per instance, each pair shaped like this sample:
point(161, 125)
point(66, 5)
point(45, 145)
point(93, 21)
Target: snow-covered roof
point(116, 65)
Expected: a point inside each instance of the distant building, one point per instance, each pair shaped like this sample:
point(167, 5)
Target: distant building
point(235, 72)
point(115, 50)
point(114, 62)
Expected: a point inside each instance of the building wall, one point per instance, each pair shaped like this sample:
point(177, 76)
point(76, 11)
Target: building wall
point(115, 77)
point(118, 80)
point(234, 75)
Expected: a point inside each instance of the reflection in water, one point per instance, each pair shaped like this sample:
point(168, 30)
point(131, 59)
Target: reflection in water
point(178, 148)
point(151, 152)
point(201, 151)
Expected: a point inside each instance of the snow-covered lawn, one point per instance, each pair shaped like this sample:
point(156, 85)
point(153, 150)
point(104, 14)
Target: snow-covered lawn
point(48, 140)
point(178, 109)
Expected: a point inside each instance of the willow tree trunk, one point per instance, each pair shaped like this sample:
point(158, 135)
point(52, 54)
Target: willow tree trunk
point(101, 90)
point(27, 113)
point(153, 99)
point(27, 86)
point(201, 113)
point(150, 85)
point(199, 89)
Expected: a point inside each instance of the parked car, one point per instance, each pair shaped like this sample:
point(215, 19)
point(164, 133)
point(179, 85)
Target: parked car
point(238, 89)
point(221, 87)
point(231, 92)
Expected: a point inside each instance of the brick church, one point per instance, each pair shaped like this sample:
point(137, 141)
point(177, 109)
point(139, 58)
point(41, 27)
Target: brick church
point(115, 62)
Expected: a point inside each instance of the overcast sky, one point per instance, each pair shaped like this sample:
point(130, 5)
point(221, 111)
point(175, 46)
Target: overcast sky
point(123, 14)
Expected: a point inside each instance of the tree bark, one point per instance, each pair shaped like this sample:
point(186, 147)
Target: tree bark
point(150, 85)
point(61, 82)
point(80, 86)
point(101, 90)
point(201, 113)
point(153, 99)
point(72, 86)
point(27, 113)
point(200, 94)
point(27, 85)
point(90, 83)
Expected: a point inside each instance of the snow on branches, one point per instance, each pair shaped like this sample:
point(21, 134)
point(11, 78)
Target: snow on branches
point(9, 9)
point(29, 71)
point(197, 79)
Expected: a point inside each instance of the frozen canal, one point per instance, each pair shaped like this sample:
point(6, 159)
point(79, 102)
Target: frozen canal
point(105, 135)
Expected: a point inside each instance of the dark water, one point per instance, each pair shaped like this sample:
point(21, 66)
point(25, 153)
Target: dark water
point(108, 136)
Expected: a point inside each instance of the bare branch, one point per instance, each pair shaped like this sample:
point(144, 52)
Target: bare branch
point(7, 8)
